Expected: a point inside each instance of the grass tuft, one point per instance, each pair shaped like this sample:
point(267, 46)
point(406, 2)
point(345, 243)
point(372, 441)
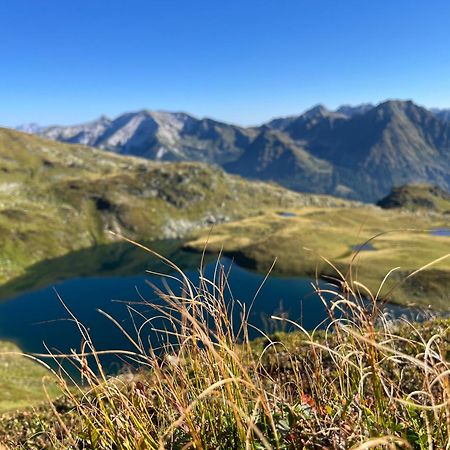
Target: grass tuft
point(365, 381)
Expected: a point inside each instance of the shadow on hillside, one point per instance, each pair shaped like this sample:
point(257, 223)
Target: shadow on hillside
point(109, 260)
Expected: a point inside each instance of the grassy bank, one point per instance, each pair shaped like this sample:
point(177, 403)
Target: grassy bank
point(22, 380)
point(398, 239)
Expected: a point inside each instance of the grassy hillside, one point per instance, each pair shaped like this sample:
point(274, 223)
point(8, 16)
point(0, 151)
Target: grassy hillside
point(298, 243)
point(22, 380)
point(56, 198)
point(416, 197)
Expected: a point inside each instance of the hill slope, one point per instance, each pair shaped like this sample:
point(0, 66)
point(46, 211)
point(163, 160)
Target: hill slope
point(418, 197)
point(56, 198)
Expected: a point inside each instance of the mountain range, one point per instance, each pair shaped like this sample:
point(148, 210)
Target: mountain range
point(357, 152)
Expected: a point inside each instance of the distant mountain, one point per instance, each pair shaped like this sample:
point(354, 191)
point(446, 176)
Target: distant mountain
point(274, 156)
point(86, 134)
point(351, 111)
point(32, 128)
point(443, 114)
point(395, 143)
point(359, 152)
point(160, 136)
point(316, 112)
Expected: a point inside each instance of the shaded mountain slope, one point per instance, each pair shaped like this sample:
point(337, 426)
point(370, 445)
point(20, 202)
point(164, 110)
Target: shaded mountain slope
point(394, 143)
point(273, 156)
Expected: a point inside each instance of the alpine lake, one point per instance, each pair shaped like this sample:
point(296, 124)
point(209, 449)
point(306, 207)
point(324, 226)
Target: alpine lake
point(119, 279)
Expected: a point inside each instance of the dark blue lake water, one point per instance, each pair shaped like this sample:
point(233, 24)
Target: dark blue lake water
point(365, 247)
point(110, 277)
point(35, 315)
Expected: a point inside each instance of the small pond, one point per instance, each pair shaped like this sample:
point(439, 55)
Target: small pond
point(366, 247)
point(440, 232)
point(287, 214)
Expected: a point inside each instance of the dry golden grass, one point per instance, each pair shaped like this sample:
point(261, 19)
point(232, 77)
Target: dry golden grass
point(365, 381)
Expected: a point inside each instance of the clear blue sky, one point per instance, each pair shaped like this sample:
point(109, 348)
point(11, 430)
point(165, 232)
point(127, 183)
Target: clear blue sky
point(243, 61)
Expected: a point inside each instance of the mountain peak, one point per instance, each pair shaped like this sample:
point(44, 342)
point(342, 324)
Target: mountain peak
point(397, 105)
point(318, 110)
point(31, 128)
point(406, 108)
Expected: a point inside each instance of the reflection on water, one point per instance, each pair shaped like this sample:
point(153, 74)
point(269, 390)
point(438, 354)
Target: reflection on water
point(110, 260)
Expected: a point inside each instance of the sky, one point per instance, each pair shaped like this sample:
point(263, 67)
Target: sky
point(240, 61)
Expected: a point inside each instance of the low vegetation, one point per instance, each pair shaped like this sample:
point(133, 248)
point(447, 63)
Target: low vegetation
point(418, 197)
point(363, 381)
point(22, 379)
point(298, 237)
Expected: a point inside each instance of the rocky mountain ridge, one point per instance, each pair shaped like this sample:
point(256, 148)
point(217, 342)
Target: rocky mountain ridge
point(358, 152)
